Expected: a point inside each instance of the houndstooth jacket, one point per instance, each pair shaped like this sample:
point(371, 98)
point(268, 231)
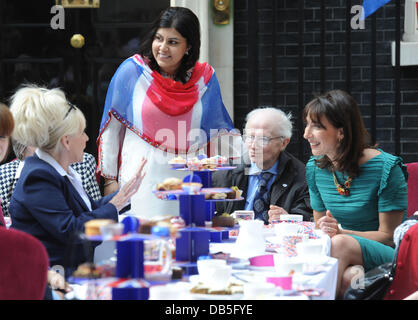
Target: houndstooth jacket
point(86, 169)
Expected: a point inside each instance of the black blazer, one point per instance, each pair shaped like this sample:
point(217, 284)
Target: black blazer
point(289, 190)
point(47, 206)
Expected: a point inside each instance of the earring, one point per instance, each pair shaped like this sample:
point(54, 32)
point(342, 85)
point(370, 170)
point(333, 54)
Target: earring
point(187, 53)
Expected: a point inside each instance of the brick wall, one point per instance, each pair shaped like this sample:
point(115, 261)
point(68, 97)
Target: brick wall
point(285, 90)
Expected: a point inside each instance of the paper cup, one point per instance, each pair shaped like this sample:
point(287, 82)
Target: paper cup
point(262, 261)
point(243, 214)
point(287, 244)
point(291, 217)
point(284, 282)
point(284, 228)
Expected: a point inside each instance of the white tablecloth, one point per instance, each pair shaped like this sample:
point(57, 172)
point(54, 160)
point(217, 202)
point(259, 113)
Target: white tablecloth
point(326, 280)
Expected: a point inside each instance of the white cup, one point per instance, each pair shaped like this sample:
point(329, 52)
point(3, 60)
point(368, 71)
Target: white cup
point(259, 290)
point(311, 247)
point(285, 265)
point(221, 278)
point(281, 229)
point(291, 217)
point(208, 270)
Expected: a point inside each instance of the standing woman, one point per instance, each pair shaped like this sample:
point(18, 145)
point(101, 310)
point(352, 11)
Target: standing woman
point(160, 103)
point(358, 192)
point(6, 130)
point(49, 201)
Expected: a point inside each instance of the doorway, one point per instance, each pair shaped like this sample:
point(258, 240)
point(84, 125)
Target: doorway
point(32, 51)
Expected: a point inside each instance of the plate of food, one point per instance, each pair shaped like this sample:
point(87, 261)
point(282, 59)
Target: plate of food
point(210, 193)
point(170, 184)
point(200, 296)
point(234, 291)
point(177, 162)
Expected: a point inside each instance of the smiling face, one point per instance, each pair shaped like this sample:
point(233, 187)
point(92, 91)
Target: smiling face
point(322, 136)
point(168, 49)
point(261, 126)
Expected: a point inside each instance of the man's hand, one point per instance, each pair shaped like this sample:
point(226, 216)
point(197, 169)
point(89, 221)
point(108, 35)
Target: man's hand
point(58, 283)
point(275, 212)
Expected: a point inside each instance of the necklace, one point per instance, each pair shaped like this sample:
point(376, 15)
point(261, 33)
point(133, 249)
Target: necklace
point(343, 190)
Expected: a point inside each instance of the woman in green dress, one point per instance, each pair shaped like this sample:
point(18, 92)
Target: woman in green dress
point(358, 192)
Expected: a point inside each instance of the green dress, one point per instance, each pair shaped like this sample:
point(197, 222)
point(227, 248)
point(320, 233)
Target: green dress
point(381, 187)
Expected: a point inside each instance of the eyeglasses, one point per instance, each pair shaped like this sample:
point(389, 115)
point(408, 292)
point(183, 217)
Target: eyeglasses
point(261, 141)
point(69, 109)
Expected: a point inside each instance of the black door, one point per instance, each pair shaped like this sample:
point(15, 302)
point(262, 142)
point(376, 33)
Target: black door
point(35, 47)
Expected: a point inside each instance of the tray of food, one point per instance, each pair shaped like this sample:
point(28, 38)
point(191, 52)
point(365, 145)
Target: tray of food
point(171, 188)
point(201, 163)
point(210, 193)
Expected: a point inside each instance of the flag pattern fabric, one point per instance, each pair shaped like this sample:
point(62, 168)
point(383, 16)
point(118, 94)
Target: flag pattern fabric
point(167, 114)
point(371, 6)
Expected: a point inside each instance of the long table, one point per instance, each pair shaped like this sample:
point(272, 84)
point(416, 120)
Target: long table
point(324, 281)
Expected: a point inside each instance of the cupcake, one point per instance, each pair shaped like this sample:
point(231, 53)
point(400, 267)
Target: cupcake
point(177, 162)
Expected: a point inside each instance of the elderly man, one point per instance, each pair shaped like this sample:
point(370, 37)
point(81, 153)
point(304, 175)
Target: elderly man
point(274, 182)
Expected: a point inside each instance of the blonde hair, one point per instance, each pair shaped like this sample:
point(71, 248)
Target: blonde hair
point(43, 116)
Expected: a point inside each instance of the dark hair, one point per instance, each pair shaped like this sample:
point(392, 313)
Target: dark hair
point(187, 24)
point(6, 121)
point(342, 111)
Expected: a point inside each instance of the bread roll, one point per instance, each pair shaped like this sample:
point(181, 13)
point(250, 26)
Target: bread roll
point(170, 184)
point(92, 227)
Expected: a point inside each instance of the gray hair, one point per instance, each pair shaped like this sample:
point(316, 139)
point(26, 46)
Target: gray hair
point(282, 121)
point(43, 116)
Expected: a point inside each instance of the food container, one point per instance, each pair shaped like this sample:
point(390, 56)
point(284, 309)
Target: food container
point(192, 187)
point(111, 230)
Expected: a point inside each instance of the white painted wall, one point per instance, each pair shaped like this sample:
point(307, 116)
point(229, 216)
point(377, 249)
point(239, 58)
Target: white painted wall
point(217, 46)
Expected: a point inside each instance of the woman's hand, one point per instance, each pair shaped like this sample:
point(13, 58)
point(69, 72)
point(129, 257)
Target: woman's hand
point(328, 224)
point(129, 189)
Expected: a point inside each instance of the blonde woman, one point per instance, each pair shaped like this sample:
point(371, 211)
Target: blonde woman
point(49, 201)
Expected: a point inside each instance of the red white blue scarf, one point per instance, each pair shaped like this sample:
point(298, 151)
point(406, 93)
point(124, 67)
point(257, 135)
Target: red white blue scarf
point(166, 113)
